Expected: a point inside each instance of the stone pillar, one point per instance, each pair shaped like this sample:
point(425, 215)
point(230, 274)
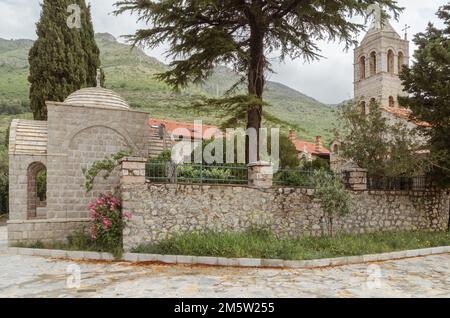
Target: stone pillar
point(260, 175)
point(132, 170)
point(356, 179)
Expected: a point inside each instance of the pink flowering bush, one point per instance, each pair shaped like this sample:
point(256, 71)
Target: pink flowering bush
point(108, 221)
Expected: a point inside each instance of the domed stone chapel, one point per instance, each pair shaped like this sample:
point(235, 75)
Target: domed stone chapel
point(89, 125)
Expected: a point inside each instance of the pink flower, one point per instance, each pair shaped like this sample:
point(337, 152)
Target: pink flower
point(106, 223)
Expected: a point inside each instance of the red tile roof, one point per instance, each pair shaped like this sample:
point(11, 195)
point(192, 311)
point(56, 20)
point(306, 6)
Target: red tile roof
point(310, 147)
point(188, 129)
point(404, 113)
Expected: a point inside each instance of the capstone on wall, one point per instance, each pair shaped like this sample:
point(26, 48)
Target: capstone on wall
point(160, 211)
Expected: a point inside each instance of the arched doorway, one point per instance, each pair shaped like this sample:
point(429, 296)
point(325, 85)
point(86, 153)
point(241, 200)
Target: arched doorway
point(37, 190)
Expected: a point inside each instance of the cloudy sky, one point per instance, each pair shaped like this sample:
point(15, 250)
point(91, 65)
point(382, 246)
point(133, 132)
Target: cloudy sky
point(328, 80)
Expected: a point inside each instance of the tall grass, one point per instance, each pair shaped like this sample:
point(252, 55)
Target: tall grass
point(264, 244)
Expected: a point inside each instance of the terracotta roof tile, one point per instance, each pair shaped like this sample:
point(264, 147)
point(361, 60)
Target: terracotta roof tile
point(188, 129)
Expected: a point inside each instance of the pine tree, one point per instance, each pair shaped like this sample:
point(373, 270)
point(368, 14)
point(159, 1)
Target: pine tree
point(242, 34)
point(428, 83)
point(63, 59)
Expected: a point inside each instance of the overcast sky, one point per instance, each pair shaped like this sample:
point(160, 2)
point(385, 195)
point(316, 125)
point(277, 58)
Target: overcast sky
point(329, 80)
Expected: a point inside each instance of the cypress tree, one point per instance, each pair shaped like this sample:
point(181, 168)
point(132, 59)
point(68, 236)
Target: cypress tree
point(63, 59)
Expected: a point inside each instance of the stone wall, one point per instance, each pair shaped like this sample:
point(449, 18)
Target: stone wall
point(162, 210)
point(45, 231)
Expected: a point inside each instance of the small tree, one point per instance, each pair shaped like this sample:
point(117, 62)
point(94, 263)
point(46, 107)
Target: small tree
point(335, 199)
point(383, 148)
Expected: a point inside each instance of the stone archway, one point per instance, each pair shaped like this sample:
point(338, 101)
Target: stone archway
point(36, 190)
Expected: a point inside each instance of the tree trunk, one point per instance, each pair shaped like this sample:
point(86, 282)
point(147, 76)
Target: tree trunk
point(330, 229)
point(256, 81)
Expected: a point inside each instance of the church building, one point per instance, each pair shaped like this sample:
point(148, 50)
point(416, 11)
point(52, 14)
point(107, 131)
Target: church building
point(378, 63)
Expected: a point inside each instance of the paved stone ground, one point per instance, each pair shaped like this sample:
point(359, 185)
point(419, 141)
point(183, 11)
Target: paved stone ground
point(23, 276)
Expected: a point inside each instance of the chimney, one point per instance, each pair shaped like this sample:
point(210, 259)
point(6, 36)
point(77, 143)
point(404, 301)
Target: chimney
point(292, 135)
point(318, 144)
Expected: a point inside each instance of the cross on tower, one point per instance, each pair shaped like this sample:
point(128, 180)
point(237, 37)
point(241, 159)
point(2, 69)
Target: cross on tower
point(406, 31)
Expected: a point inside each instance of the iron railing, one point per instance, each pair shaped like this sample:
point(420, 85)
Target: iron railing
point(168, 172)
point(294, 178)
point(399, 183)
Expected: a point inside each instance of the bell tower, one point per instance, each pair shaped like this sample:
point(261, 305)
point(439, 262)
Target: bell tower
point(378, 61)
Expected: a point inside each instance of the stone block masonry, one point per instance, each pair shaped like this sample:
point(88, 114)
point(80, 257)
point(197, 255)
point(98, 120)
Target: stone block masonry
point(45, 231)
point(162, 210)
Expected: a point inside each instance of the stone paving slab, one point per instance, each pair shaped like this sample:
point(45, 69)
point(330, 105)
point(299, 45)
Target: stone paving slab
point(28, 276)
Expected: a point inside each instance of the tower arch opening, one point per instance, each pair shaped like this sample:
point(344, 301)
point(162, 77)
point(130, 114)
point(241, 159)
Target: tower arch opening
point(362, 67)
point(373, 63)
point(390, 62)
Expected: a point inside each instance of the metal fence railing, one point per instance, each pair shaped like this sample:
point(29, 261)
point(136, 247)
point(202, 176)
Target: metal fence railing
point(168, 172)
point(294, 178)
point(399, 183)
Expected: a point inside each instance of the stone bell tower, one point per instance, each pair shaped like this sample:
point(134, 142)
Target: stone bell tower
point(378, 61)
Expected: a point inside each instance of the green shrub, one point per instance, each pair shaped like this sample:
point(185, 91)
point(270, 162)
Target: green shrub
point(294, 178)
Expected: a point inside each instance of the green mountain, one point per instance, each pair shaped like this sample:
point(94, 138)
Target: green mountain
point(130, 73)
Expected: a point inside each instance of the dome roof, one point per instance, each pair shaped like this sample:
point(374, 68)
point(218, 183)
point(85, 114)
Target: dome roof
point(97, 97)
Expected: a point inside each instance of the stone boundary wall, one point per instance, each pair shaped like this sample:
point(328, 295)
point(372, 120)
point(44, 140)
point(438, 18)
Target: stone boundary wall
point(161, 210)
point(45, 231)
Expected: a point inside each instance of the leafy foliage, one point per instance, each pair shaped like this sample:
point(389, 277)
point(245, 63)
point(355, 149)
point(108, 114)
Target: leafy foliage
point(63, 59)
point(334, 198)
point(383, 148)
point(428, 83)
point(106, 165)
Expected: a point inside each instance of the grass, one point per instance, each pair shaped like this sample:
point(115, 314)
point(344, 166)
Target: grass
point(263, 244)
point(78, 241)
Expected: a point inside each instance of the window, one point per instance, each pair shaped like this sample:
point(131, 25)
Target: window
point(391, 101)
point(373, 63)
point(362, 107)
point(37, 188)
point(336, 149)
point(401, 62)
point(362, 68)
point(390, 62)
